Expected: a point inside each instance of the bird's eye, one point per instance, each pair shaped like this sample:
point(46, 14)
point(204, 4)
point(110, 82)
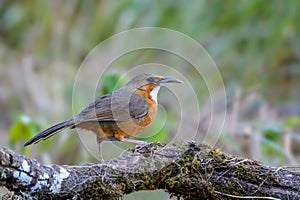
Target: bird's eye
point(152, 80)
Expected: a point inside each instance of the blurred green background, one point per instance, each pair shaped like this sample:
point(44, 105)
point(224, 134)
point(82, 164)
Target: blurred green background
point(255, 44)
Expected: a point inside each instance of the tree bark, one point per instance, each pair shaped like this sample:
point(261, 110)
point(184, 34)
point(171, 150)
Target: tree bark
point(187, 170)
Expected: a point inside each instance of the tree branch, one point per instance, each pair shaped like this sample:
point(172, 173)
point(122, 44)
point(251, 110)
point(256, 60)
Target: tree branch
point(185, 170)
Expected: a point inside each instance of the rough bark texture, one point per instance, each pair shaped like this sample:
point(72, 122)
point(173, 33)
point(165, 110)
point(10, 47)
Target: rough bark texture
point(187, 170)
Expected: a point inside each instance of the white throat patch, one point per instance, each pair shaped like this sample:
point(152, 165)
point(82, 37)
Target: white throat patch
point(154, 92)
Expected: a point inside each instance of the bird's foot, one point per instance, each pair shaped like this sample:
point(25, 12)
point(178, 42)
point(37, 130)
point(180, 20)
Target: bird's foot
point(139, 142)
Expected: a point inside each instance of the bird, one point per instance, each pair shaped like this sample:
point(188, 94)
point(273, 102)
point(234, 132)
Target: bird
point(118, 115)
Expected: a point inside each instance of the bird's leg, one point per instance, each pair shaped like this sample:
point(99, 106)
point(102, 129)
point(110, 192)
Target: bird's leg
point(99, 141)
point(140, 142)
point(121, 138)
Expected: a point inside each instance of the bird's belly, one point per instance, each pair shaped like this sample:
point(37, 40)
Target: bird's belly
point(135, 126)
point(103, 130)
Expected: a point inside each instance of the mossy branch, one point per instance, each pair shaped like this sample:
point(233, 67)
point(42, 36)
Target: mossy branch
point(186, 170)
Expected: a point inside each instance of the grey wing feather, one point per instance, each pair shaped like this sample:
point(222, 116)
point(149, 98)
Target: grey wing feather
point(138, 106)
point(114, 107)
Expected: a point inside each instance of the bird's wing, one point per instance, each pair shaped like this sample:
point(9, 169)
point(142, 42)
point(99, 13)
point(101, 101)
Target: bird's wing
point(114, 107)
point(138, 106)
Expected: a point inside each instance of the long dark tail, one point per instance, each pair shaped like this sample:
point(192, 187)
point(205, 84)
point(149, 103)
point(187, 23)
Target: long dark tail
point(50, 132)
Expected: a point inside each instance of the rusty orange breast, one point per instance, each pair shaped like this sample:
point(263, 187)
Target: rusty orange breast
point(138, 125)
point(149, 91)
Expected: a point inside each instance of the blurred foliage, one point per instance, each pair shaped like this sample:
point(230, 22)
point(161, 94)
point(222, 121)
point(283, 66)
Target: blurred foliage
point(160, 136)
point(110, 82)
point(255, 44)
point(291, 122)
point(22, 129)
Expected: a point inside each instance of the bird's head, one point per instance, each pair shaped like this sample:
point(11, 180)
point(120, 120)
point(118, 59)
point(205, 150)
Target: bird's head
point(150, 83)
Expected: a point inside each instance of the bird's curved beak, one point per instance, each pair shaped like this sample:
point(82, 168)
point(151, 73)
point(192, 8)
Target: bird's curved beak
point(170, 80)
